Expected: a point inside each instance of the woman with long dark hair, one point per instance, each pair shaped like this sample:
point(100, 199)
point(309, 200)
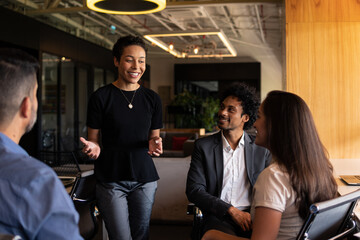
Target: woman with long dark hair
point(300, 174)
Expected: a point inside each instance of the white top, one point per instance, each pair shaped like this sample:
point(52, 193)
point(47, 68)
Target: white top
point(273, 190)
point(236, 186)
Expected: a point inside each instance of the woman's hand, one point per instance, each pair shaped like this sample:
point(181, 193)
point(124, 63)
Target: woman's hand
point(155, 146)
point(91, 149)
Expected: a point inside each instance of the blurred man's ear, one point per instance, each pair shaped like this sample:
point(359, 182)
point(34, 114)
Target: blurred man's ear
point(245, 117)
point(25, 108)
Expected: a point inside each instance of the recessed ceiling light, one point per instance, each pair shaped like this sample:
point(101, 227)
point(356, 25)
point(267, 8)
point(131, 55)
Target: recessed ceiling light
point(155, 39)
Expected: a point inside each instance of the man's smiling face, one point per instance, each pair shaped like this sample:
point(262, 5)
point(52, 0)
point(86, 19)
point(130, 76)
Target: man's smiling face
point(231, 115)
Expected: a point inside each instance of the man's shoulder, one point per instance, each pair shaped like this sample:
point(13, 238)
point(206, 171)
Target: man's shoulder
point(31, 188)
point(29, 180)
point(22, 169)
point(210, 139)
point(26, 176)
point(258, 154)
point(250, 139)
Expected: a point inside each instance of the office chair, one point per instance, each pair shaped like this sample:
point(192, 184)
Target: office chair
point(84, 198)
point(197, 226)
point(332, 219)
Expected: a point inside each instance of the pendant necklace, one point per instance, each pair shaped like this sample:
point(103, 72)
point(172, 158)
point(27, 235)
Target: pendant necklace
point(130, 102)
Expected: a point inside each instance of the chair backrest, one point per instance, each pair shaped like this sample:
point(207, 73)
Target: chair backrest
point(84, 198)
point(84, 187)
point(329, 218)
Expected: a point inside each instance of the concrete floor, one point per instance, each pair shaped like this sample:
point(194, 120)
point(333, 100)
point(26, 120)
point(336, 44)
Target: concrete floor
point(161, 232)
point(170, 232)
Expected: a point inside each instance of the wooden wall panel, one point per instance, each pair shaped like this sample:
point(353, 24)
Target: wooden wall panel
point(322, 10)
point(323, 67)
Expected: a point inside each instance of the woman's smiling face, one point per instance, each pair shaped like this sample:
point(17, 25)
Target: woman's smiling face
point(132, 64)
point(261, 129)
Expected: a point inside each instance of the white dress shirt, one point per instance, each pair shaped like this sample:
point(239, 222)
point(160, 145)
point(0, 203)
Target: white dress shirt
point(236, 186)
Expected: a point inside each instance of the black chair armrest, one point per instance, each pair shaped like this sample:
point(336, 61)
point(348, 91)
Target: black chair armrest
point(350, 230)
point(197, 229)
point(192, 209)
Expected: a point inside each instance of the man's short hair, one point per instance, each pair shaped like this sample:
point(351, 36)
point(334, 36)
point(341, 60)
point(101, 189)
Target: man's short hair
point(126, 41)
point(16, 70)
point(248, 98)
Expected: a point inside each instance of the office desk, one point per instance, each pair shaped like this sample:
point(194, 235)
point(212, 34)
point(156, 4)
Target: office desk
point(347, 167)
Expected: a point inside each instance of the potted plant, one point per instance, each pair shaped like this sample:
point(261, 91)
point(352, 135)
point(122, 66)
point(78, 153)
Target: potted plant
point(192, 111)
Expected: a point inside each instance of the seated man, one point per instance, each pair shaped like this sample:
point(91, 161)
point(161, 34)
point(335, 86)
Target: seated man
point(225, 166)
point(33, 201)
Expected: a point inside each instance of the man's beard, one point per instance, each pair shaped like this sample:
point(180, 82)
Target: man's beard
point(32, 120)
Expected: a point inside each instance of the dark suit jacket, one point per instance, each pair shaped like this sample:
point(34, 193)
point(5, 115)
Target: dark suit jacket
point(205, 176)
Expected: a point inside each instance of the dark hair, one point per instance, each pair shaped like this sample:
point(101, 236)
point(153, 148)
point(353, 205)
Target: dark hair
point(16, 68)
point(248, 98)
point(295, 144)
point(123, 42)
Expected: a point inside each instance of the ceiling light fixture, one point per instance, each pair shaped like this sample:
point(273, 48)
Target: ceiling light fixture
point(164, 46)
point(154, 38)
point(126, 7)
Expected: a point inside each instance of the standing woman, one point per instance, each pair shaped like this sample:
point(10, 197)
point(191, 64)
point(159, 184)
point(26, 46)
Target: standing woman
point(129, 118)
point(300, 174)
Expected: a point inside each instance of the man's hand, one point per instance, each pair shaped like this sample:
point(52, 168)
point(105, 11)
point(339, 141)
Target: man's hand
point(91, 149)
point(155, 146)
point(243, 219)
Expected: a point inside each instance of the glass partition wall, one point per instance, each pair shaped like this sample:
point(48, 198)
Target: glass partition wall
point(49, 99)
point(83, 97)
point(65, 88)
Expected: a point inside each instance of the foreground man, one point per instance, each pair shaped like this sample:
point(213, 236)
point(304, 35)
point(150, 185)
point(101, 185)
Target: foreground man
point(33, 201)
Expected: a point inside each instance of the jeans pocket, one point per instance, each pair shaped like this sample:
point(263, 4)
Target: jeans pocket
point(149, 190)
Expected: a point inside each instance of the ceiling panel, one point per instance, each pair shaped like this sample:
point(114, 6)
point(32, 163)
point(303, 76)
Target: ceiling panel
point(252, 28)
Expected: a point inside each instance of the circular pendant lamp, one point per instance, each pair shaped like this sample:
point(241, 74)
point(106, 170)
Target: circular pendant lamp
point(126, 7)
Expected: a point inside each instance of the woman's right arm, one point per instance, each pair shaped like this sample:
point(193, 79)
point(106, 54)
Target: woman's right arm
point(91, 146)
point(265, 227)
point(266, 224)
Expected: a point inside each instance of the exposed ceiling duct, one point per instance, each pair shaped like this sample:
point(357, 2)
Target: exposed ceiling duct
point(251, 28)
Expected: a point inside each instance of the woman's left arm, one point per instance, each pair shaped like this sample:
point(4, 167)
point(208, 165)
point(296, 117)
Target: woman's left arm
point(155, 143)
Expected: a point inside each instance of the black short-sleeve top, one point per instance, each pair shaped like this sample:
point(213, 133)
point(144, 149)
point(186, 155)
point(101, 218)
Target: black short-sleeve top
point(124, 132)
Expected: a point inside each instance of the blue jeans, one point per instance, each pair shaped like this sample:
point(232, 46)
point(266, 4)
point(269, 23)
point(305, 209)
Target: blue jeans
point(126, 208)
